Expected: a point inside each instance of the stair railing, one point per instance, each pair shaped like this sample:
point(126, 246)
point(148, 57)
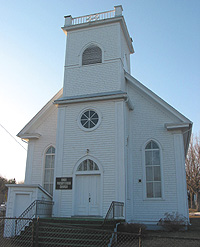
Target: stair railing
point(37, 208)
point(115, 211)
point(27, 210)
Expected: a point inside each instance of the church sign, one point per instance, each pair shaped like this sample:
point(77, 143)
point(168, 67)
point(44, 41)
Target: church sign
point(64, 183)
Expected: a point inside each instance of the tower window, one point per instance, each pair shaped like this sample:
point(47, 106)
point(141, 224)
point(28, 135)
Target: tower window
point(92, 55)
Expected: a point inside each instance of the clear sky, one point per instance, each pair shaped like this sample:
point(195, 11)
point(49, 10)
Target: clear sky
point(166, 39)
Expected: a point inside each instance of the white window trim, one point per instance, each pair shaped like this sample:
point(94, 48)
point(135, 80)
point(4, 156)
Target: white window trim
point(144, 172)
point(87, 172)
point(90, 157)
point(79, 119)
point(44, 160)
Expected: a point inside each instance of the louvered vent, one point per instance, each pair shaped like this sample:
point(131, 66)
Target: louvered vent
point(91, 55)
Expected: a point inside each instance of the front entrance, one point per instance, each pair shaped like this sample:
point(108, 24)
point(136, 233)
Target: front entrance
point(87, 196)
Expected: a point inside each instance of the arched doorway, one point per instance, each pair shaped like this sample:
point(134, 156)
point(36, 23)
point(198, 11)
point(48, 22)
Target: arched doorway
point(88, 189)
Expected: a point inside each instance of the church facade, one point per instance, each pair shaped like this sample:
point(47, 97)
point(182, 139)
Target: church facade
point(104, 137)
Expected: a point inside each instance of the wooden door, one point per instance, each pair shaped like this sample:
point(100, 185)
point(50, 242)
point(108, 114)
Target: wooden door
point(87, 194)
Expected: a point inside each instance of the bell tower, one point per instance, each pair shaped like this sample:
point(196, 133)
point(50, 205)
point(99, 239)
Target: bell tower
point(91, 138)
point(98, 50)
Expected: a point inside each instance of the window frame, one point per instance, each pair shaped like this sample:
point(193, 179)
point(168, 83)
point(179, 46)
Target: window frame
point(80, 115)
point(95, 172)
point(80, 55)
point(50, 168)
point(93, 60)
point(87, 172)
point(145, 175)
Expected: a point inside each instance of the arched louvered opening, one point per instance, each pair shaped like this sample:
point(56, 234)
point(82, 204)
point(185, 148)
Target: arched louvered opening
point(92, 55)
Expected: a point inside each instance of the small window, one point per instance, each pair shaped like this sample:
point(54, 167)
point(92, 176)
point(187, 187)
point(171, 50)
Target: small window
point(88, 165)
point(89, 119)
point(49, 170)
point(92, 55)
point(153, 172)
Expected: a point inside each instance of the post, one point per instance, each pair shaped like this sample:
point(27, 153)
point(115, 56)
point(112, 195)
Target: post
point(15, 226)
point(140, 239)
point(68, 20)
point(32, 237)
point(36, 231)
point(118, 10)
point(36, 210)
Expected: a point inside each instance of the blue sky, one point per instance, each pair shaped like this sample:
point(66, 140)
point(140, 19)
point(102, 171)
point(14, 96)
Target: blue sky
point(166, 39)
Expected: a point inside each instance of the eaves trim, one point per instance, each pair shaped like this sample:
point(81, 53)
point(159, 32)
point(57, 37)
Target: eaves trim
point(91, 97)
point(177, 126)
point(30, 136)
point(96, 97)
point(29, 186)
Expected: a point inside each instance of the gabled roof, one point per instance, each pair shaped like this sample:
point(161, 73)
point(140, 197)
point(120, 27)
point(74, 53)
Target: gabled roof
point(26, 132)
point(155, 97)
point(184, 124)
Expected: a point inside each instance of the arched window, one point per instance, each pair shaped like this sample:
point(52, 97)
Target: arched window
point(49, 169)
point(153, 172)
point(88, 165)
point(92, 55)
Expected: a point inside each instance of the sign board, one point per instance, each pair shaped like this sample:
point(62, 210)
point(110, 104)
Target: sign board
point(64, 183)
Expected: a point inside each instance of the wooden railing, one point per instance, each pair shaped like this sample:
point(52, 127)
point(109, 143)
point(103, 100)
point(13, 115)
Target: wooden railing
point(93, 17)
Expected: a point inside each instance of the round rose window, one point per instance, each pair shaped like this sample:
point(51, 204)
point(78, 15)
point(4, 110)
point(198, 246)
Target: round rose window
point(89, 119)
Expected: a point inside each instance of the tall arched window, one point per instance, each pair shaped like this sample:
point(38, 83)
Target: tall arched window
point(49, 169)
point(92, 55)
point(153, 171)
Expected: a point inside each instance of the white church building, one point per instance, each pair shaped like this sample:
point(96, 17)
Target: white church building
point(104, 137)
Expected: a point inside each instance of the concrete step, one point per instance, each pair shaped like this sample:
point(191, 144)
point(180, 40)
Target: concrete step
point(75, 232)
point(94, 223)
point(72, 232)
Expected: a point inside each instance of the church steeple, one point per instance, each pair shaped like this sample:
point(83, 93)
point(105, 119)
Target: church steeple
point(97, 52)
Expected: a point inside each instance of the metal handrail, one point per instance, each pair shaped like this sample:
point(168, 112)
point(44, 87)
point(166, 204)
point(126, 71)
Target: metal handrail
point(113, 213)
point(35, 214)
point(27, 210)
